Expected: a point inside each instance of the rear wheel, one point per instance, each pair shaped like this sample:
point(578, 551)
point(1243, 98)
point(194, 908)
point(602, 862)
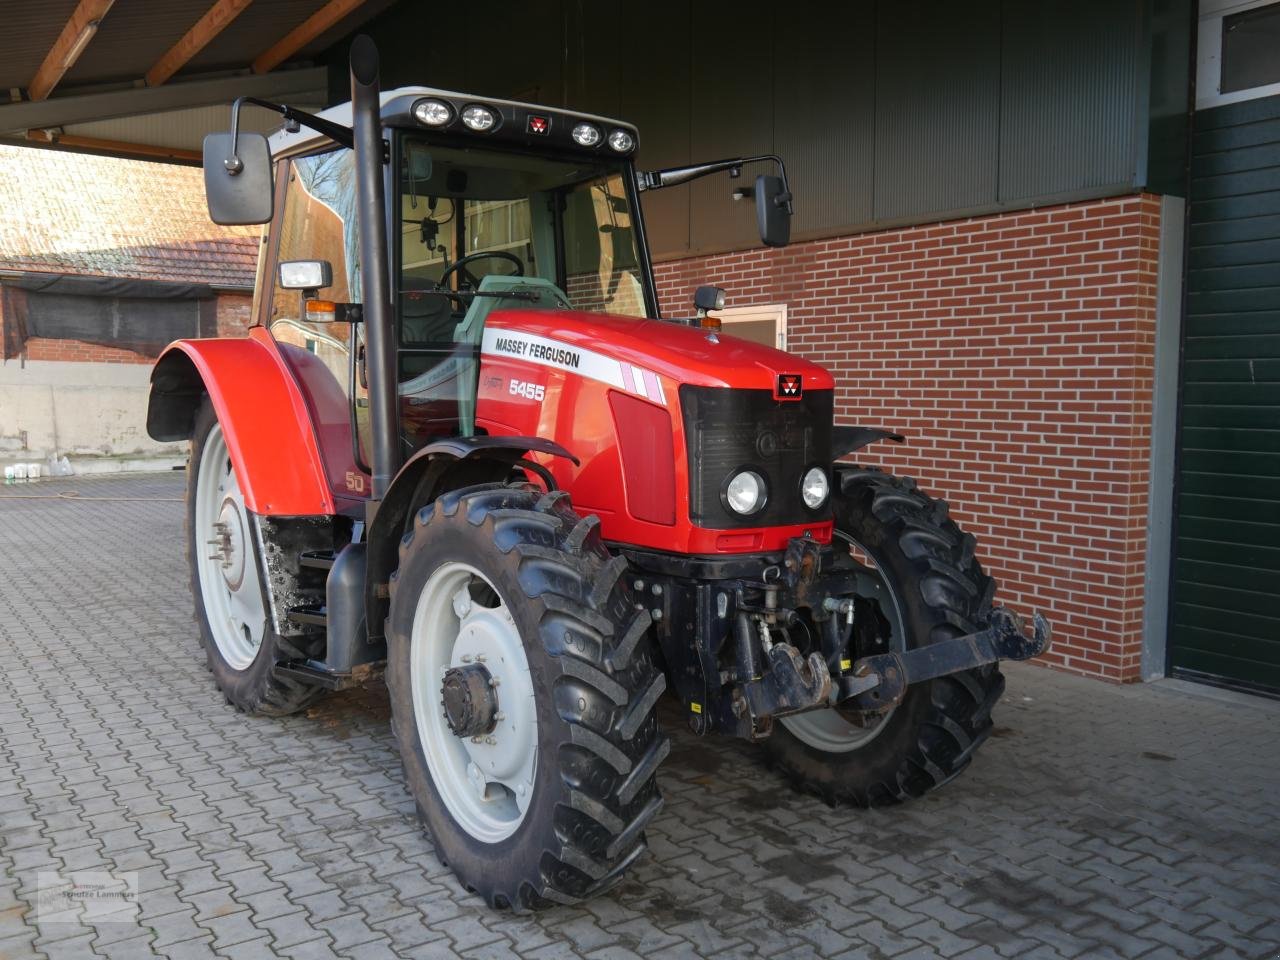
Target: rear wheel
point(933, 588)
point(523, 691)
point(240, 647)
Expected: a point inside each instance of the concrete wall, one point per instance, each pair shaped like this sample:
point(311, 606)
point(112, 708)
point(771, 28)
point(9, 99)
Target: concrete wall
point(92, 413)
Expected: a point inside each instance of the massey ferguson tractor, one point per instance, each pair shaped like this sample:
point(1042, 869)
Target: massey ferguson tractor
point(461, 448)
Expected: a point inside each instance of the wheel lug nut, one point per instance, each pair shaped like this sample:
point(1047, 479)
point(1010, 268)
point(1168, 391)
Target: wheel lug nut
point(490, 740)
point(466, 658)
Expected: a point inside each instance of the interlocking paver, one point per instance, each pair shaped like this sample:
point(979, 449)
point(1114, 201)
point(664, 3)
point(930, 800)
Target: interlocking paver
point(1073, 835)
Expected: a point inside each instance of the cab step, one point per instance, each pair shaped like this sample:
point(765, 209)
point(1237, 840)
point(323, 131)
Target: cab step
point(317, 559)
point(309, 615)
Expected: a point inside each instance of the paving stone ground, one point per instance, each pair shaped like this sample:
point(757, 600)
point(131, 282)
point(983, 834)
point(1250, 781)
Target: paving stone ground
point(1098, 822)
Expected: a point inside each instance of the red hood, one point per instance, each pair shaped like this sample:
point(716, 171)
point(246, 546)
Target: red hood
point(680, 353)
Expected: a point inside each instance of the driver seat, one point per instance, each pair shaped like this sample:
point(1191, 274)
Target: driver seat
point(425, 316)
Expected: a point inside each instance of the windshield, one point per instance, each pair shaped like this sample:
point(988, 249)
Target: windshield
point(563, 221)
point(481, 230)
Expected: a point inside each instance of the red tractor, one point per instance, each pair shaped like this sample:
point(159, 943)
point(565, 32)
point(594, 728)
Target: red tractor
point(461, 446)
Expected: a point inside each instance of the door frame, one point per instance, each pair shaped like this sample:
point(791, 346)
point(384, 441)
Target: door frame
point(777, 312)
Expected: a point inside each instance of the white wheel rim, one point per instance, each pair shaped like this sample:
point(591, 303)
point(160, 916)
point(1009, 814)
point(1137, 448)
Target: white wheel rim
point(486, 782)
point(829, 731)
point(230, 584)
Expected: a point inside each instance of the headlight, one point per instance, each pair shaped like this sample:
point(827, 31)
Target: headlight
point(621, 141)
point(814, 488)
point(746, 493)
point(584, 134)
point(434, 113)
point(478, 118)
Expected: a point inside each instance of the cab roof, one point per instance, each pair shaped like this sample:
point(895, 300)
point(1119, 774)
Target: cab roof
point(514, 121)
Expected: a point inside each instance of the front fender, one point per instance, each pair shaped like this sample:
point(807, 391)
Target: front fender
point(442, 465)
point(263, 414)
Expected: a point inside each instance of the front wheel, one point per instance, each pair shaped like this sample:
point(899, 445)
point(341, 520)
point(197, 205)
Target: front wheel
point(523, 692)
point(933, 588)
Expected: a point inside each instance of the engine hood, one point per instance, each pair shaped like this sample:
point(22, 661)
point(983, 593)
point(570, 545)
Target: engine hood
point(673, 351)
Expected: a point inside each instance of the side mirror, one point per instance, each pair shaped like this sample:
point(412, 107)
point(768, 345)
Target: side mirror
point(237, 182)
point(773, 211)
point(306, 274)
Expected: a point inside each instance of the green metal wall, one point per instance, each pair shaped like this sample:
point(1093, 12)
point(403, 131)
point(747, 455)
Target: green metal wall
point(886, 111)
point(1226, 592)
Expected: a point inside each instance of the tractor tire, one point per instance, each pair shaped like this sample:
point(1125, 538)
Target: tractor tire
point(940, 591)
point(508, 579)
point(241, 648)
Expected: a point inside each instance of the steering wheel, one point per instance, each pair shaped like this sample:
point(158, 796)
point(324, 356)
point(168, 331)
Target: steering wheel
point(460, 266)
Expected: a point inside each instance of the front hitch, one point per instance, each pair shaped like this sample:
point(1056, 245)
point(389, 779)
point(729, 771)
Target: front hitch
point(882, 679)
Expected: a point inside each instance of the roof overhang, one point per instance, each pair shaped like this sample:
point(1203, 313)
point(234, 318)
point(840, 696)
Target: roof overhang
point(124, 78)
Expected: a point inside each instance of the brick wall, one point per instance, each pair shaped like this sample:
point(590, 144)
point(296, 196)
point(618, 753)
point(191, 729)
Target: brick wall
point(234, 316)
point(1015, 351)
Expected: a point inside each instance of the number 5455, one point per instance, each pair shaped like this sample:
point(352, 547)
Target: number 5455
point(530, 391)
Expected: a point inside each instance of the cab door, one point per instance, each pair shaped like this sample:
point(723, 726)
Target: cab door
point(318, 222)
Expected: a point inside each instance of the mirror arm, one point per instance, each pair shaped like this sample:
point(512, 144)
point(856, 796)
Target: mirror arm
point(334, 131)
point(672, 176)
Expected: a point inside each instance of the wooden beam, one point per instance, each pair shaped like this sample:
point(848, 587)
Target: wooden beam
point(215, 20)
point(304, 33)
point(75, 36)
point(118, 147)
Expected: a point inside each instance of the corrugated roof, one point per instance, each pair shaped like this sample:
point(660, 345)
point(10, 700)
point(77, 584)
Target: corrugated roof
point(100, 216)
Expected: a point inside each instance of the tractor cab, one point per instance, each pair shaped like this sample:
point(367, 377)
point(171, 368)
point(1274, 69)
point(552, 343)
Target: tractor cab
point(490, 205)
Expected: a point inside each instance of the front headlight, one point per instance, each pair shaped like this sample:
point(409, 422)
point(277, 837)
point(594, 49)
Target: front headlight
point(814, 488)
point(746, 492)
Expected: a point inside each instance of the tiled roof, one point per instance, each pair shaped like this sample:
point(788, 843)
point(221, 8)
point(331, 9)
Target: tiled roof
point(84, 215)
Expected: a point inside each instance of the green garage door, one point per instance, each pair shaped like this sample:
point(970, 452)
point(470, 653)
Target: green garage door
point(1226, 615)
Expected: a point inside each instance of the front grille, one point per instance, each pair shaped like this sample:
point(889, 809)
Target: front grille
point(727, 429)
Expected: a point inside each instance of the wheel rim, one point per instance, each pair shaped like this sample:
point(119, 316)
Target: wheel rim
point(230, 583)
point(828, 730)
point(486, 780)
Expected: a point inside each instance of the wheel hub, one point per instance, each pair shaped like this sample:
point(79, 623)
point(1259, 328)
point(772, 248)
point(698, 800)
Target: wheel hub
point(473, 701)
point(470, 700)
point(228, 544)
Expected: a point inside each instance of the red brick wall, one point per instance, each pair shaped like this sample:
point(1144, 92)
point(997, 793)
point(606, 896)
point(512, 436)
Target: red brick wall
point(233, 318)
point(235, 314)
point(1015, 351)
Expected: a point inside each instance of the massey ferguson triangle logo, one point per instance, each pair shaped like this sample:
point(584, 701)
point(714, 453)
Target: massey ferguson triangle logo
point(790, 386)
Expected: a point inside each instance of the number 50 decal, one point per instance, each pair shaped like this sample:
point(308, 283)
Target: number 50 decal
point(530, 391)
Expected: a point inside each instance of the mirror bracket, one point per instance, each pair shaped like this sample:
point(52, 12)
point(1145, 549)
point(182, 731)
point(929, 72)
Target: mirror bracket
point(673, 176)
point(294, 119)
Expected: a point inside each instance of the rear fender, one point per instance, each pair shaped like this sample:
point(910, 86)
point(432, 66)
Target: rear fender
point(263, 415)
point(440, 466)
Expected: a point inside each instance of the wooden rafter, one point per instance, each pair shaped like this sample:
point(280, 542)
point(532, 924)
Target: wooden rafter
point(215, 20)
point(117, 147)
point(75, 36)
point(304, 33)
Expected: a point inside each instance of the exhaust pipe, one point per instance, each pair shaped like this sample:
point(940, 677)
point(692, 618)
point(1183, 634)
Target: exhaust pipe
point(366, 126)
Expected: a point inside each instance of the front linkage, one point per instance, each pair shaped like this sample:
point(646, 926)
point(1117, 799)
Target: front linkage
point(747, 642)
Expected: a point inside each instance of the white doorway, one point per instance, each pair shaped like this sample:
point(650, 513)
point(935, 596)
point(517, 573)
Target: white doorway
point(763, 323)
